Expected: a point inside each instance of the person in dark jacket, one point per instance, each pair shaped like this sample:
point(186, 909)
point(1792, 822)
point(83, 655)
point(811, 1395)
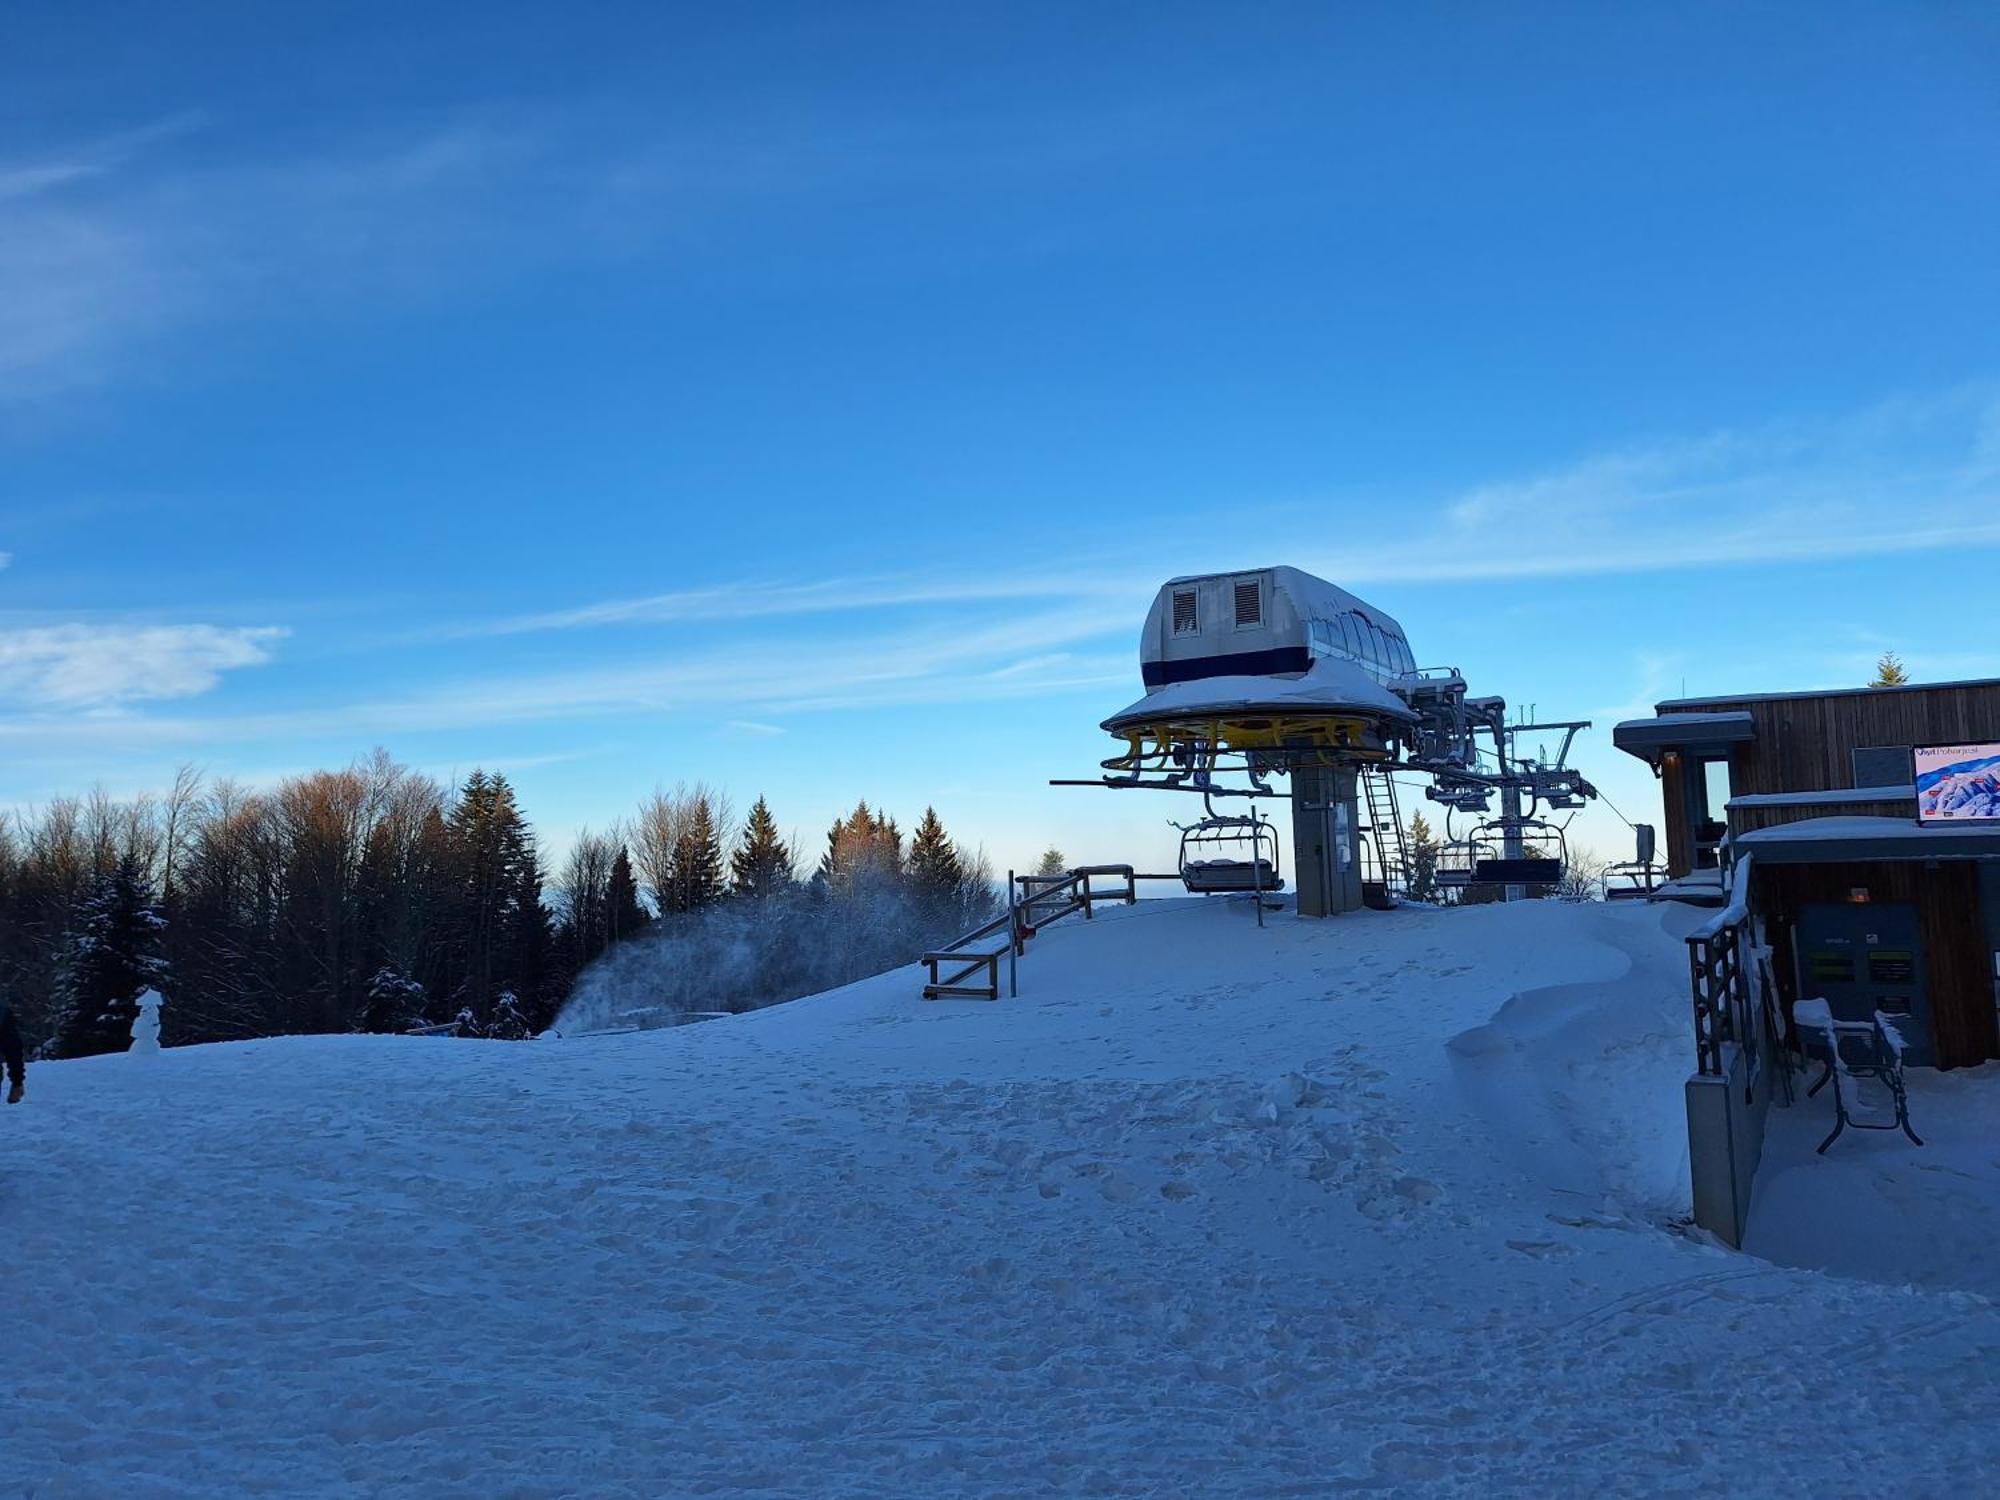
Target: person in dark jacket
point(10, 1054)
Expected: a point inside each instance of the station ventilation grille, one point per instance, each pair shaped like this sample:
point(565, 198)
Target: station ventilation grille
point(1248, 611)
point(1186, 620)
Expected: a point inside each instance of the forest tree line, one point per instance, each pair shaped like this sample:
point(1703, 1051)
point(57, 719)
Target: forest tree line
point(378, 899)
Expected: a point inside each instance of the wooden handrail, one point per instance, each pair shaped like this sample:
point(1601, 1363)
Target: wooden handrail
point(1039, 901)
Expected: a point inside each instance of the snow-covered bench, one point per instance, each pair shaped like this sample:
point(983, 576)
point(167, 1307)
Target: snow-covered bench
point(1855, 1051)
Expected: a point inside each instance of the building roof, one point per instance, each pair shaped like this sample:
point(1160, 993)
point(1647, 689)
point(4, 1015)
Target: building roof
point(1675, 705)
point(1330, 687)
point(1648, 738)
point(1812, 841)
point(1840, 796)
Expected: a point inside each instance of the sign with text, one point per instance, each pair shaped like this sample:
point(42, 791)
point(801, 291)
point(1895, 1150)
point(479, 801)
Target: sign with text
point(1958, 783)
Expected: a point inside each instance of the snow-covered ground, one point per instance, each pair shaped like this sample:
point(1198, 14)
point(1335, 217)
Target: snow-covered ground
point(1877, 1206)
point(1379, 1203)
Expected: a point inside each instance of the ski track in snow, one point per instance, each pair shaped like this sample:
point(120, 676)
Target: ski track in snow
point(1380, 1204)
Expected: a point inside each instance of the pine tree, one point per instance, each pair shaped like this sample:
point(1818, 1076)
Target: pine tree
point(696, 880)
point(395, 1001)
point(1423, 860)
point(530, 952)
point(863, 850)
point(1053, 862)
point(937, 878)
point(498, 890)
point(114, 952)
point(623, 915)
point(1889, 672)
point(761, 865)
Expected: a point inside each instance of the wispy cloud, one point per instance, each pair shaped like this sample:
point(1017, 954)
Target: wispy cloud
point(1907, 476)
point(99, 666)
point(109, 244)
point(750, 599)
point(928, 667)
point(1915, 474)
point(754, 729)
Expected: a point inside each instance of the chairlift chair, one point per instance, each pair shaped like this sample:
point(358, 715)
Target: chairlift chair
point(1641, 876)
point(1543, 868)
point(1226, 854)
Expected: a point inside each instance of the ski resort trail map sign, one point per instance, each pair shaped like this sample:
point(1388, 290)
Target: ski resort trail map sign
point(1958, 783)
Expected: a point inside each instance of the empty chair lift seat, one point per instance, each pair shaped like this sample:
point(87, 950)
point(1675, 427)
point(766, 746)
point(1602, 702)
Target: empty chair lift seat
point(1213, 876)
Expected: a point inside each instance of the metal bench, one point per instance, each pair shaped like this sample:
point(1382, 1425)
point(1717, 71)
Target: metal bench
point(1856, 1051)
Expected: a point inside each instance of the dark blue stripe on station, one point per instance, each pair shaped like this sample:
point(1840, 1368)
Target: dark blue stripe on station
point(1236, 664)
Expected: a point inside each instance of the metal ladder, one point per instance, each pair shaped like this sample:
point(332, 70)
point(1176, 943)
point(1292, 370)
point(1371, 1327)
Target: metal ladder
point(1385, 831)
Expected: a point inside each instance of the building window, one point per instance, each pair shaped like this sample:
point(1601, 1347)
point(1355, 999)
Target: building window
point(1249, 608)
point(1708, 810)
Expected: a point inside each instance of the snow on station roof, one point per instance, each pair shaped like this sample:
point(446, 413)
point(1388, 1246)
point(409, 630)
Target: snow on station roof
point(1650, 738)
point(1826, 840)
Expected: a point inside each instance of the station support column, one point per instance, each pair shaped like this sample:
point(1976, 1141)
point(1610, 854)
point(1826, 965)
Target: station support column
point(1326, 839)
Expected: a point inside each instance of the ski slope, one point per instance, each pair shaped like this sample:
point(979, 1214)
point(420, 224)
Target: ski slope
point(1384, 1203)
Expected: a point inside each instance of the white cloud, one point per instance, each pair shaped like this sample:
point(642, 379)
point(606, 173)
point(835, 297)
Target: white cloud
point(1913, 474)
point(751, 599)
point(98, 666)
point(754, 729)
point(106, 245)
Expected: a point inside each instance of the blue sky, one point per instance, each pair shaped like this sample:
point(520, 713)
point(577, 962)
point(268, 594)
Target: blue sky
point(809, 399)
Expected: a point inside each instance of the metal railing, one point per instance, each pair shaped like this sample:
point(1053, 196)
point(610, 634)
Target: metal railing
point(1033, 902)
point(1725, 1010)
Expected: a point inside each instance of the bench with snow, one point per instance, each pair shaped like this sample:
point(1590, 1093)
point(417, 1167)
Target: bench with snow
point(1856, 1052)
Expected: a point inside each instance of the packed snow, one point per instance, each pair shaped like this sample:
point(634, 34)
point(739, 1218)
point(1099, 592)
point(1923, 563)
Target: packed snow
point(1878, 1206)
point(1391, 1202)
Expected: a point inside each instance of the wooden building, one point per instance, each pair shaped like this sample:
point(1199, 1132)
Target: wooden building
point(1855, 900)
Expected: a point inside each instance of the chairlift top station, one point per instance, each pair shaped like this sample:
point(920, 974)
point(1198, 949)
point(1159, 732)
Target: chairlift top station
point(1274, 672)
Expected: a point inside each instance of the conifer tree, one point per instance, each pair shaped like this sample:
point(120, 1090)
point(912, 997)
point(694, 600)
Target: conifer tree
point(1889, 671)
point(1052, 862)
point(864, 849)
point(1423, 859)
point(114, 952)
point(936, 875)
point(395, 1001)
point(761, 865)
point(623, 915)
point(497, 878)
point(696, 877)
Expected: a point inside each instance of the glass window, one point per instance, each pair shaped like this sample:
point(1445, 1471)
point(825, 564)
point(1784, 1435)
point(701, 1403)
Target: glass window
point(1378, 648)
point(1352, 634)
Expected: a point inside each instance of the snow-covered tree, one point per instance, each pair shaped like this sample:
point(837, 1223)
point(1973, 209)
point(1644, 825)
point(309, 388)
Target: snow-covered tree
point(1053, 862)
point(395, 1001)
point(114, 952)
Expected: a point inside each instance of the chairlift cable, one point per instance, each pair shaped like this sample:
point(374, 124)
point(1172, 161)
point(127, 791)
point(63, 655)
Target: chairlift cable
point(1614, 807)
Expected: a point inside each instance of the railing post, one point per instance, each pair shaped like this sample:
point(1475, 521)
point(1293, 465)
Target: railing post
point(1013, 944)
